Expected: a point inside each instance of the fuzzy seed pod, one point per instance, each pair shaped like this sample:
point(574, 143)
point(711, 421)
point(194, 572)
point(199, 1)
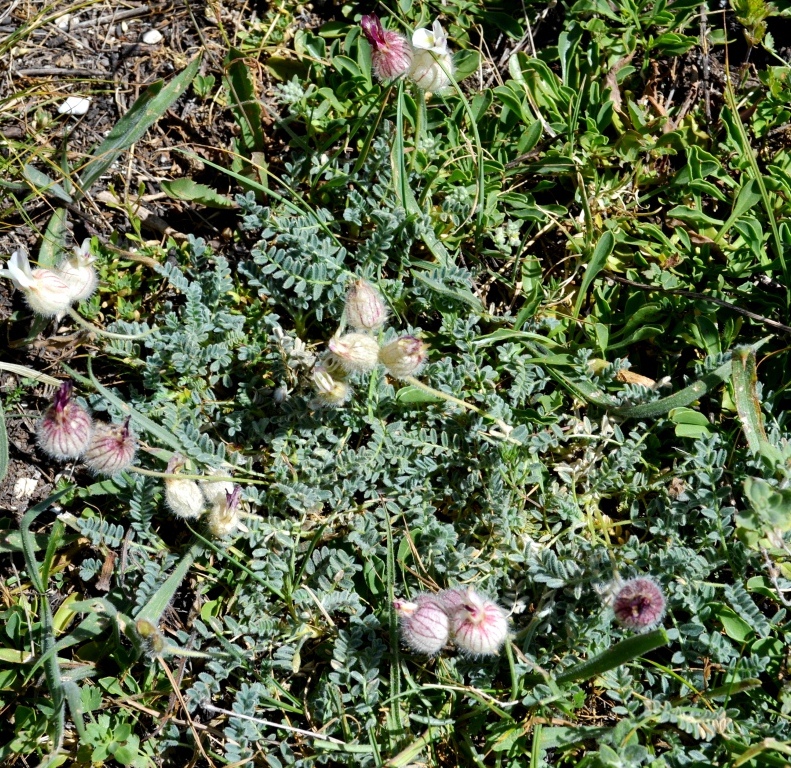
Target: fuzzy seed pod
point(65, 429)
point(223, 519)
point(404, 357)
point(431, 59)
point(451, 599)
point(184, 497)
point(365, 310)
point(112, 448)
point(479, 626)
point(355, 351)
point(216, 491)
point(424, 624)
point(639, 604)
point(45, 292)
point(391, 53)
point(330, 392)
point(77, 272)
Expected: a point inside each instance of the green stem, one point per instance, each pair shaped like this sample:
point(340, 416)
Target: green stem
point(206, 478)
point(109, 334)
point(505, 428)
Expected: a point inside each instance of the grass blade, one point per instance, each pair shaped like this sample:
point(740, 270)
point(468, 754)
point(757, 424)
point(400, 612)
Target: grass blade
point(619, 654)
point(599, 258)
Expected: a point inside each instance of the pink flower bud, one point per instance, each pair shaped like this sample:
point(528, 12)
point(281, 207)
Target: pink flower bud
point(223, 519)
point(45, 292)
point(77, 272)
point(639, 604)
point(424, 624)
point(330, 392)
point(478, 626)
point(403, 357)
point(365, 310)
point(65, 429)
point(112, 448)
point(355, 351)
point(391, 53)
point(184, 497)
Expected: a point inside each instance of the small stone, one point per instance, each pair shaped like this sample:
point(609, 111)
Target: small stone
point(24, 488)
point(75, 105)
point(152, 37)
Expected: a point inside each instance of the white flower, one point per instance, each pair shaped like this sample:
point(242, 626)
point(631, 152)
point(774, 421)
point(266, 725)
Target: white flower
point(432, 63)
point(76, 271)
point(433, 39)
point(46, 293)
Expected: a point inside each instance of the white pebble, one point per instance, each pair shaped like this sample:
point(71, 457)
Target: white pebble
point(152, 37)
point(75, 105)
point(62, 22)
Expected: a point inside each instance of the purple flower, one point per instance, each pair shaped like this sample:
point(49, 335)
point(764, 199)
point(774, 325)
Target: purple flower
point(65, 429)
point(639, 604)
point(391, 54)
point(112, 449)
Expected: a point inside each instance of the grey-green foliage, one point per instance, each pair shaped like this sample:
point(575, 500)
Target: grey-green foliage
point(530, 524)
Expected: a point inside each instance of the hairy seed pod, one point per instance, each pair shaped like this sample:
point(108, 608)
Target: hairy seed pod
point(404, 357)
point(639, 604)
point(424, 624)
point(355, 351)
point(365, 310)
point(112, 449)
point(223, 519)
point(330, 392)
point(479, 626)
point(184, 497)
point(65, 429)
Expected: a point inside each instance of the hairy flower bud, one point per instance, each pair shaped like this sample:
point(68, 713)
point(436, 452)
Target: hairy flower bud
point(431, 61)
point(365, 310)
point(355, 351)
point(478, 626)
point(223, 519)
point(391, 53)
point(424, 624)
point(403, 357)
point(77, 272)
point(45, 292)
point(65, 429)
point(639, 604)
point(330, 392)
point(112, 448)
point(184, 497)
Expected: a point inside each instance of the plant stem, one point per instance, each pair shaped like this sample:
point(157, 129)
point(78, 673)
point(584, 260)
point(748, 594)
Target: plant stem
point(505, 428)
point(109, 334)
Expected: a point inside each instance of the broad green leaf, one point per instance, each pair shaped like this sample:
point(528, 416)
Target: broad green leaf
point(245, 105)
point(621, 653)
point(412, 394)
point(466, 63)
point(683, 397)
point(149, 107)
point(54, 241)
point(744, 381)
point(41, 183)
point(187, 189)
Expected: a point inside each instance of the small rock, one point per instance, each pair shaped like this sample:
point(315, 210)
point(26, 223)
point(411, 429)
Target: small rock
point(75, 105)
point(152, 37)
point(24, 488)
point(62, 22)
